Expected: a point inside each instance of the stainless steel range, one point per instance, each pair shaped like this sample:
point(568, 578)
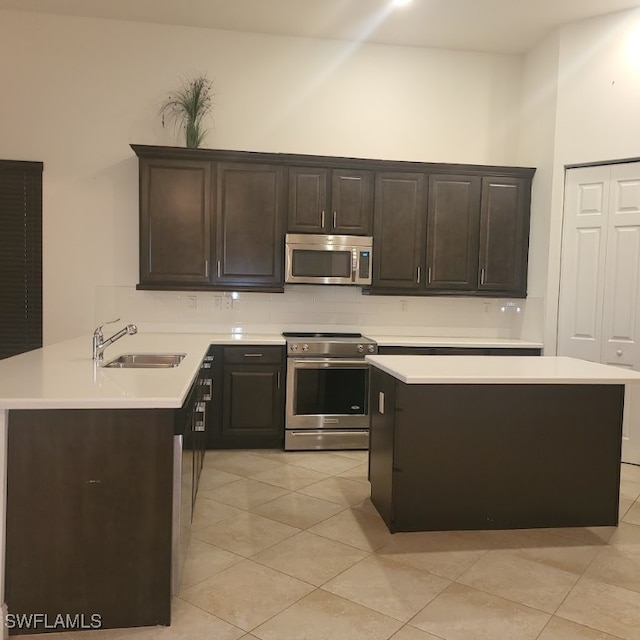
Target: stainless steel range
point(327, 392)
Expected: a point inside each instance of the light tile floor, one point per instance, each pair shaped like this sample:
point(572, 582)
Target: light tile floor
point(287, 546)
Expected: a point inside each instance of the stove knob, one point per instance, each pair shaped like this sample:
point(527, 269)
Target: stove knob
point(305, 347)
point(360, 348)
point(293, 347)
point(371, 348)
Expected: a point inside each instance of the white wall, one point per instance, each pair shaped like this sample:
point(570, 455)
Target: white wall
point(596, 120)
point(537, 149)
point(76, 92)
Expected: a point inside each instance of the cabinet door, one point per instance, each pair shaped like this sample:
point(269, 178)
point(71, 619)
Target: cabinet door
point(504, 234)
point(307, 210)
point(175, 221)
point(351, 202)
point(253, 405)
point(249, 227)
point(399, 231)
point(452, 232)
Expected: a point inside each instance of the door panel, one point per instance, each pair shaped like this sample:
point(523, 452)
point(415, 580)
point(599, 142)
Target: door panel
point(586, 317)
point(582, 270)
point(251, 402)
point(351, 202)
point(452, 232)
point(621, 310)
point(175, 221)
point(249, 239)
point(504, 228)
point(399, 219)
point(307, 200)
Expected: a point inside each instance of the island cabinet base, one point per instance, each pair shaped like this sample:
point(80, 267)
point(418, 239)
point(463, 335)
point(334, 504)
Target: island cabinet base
point(89, 518)
point(494, 456)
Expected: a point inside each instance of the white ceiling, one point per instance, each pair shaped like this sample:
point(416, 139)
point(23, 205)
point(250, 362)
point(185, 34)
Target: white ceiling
point(501, 26)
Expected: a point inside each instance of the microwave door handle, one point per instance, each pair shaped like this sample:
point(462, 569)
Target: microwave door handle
point(354, 264)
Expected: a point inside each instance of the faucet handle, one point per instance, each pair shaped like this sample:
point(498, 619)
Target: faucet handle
point(98, 331)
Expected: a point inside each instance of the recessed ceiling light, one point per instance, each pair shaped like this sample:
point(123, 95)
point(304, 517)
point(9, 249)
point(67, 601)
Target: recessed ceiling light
point(400, 3)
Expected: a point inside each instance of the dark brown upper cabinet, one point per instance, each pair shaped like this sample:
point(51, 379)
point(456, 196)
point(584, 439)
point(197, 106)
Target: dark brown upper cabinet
point(175, 221)
point(399, 231)
point(504, 234)
point(470, 239)
point(453, 222)
point(206, 223)
point(249, 225)
point(215, 219)
point(478, 234)
point(332, 201)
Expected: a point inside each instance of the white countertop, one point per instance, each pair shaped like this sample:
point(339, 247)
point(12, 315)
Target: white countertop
point(500, 370)
point(64, 376)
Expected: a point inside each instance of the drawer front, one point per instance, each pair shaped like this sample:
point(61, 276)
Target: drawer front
point(255, 354)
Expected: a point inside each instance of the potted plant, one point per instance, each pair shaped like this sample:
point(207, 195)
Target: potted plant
point(188, 107)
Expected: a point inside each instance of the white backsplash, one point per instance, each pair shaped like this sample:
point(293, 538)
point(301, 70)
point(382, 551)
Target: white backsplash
point(322, 308)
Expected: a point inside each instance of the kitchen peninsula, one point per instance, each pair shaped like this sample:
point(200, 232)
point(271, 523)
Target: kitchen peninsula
point(90, 455)
point(489, 442)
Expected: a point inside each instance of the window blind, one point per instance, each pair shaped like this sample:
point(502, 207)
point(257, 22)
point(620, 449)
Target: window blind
point(20, 256)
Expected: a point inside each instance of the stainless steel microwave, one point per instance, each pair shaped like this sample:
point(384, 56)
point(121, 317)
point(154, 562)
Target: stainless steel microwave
point(327, 259)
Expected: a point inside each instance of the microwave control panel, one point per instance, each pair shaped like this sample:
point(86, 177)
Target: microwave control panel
point(365, 260)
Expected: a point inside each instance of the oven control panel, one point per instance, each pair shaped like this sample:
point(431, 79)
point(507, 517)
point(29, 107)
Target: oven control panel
point(331, 349)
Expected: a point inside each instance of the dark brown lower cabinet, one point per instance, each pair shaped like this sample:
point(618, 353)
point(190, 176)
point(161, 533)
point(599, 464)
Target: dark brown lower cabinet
point(458, 351)
point(252, 398)
point(494, 456)
point(89, 513)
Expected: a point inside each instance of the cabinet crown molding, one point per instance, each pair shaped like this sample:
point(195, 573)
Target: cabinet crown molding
point(286, 159)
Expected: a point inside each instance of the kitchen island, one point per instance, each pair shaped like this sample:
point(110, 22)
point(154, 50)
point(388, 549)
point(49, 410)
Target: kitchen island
point(488, 442)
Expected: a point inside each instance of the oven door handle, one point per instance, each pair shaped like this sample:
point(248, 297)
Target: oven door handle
point(312, 363)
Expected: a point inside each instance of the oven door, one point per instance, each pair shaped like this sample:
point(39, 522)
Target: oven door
point(329, 393)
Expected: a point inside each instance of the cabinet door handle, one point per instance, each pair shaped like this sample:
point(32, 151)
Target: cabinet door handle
point(482, 276)
point(418, 276)
point(206, 268)
point(429, 276)
point(335, 217)
point(199, 423)
point(278, 379)
point(322, 219)
point(253, 355)
point(219, 268)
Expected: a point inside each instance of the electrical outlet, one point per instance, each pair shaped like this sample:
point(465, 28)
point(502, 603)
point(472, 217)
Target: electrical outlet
point(403, 305)
point(223, 302)
point(192, 302)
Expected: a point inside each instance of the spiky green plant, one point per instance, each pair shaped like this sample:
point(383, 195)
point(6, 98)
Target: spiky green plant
point(188, 107)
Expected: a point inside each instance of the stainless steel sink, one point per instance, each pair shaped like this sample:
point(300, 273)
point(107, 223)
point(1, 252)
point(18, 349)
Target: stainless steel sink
point(146, 361)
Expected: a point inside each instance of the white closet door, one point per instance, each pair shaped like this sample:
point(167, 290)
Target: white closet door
point(599, 310)
point(621, 311)
point(583, 261)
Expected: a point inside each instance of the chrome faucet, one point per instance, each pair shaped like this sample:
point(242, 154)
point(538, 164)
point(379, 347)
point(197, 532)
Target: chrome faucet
point(100, 344)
